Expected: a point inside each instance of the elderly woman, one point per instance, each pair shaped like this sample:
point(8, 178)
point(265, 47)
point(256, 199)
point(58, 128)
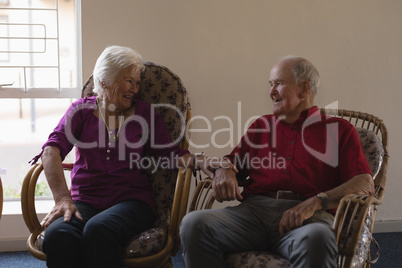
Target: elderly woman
point(110, 200)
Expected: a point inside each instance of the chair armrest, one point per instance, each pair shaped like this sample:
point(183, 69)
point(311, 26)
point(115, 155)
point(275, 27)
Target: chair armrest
point(28, 198)
point(179, 207)
point(28, 207)
point(202, 196)
point(354, 213)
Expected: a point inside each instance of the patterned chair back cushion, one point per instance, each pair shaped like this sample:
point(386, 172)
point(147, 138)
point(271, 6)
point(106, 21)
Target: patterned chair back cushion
point(372, 149)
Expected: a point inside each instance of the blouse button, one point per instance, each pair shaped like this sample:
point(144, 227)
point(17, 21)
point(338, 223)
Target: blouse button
point(107, 158)
point(108, 151)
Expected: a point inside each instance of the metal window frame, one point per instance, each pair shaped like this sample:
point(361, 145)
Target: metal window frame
point(15, 92)
point(4, 19)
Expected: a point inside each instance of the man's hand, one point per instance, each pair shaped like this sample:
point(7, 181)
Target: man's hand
point(64, 207)
point(294, 217)
point(224, 185)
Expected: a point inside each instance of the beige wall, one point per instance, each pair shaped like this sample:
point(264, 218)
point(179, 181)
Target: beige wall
point(223, 51)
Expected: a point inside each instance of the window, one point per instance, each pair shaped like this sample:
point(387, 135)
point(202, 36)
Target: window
point(40, 70)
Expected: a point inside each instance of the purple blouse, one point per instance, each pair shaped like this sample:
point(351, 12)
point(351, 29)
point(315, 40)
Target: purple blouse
point(107, 172)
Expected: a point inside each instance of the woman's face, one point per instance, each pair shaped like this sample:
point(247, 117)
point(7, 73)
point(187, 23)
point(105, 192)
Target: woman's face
point(122, 91)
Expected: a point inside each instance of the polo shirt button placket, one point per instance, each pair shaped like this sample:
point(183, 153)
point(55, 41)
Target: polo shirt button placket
point(291, 142)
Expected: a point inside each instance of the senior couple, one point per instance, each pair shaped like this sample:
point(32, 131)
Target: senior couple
point(109, 202)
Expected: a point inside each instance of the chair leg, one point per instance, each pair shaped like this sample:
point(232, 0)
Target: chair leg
point(169, 264)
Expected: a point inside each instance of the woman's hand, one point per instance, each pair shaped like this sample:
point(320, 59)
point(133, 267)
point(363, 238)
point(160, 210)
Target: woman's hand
point(206, 164)
point(210, 165)
point(64, 207)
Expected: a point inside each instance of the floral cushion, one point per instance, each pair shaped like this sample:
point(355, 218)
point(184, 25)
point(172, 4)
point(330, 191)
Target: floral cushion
point(147, 243)
point(256, 259)
point(158, 86)
point(372, 149)
point(363, 246)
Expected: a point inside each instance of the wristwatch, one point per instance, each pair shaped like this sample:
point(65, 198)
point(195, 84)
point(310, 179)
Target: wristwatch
point(324, 198)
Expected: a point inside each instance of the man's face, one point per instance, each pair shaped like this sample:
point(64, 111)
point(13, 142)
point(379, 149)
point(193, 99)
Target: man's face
point(286, 96)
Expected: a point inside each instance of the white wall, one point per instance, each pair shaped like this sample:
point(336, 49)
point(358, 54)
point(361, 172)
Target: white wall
point(223, 51)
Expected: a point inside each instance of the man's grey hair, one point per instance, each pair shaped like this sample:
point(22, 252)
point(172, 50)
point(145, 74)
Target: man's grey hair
point(304, 70)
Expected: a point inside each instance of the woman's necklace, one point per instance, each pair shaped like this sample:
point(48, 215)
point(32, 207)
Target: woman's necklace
point(112, 136)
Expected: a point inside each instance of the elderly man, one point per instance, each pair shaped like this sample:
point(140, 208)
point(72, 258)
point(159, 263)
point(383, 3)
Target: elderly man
point(300, 164)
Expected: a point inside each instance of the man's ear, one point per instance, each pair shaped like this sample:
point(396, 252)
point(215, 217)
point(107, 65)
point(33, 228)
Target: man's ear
point(305, 89)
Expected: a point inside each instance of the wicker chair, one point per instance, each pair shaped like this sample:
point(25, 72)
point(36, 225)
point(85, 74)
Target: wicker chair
point(354, 220)
point(153, 247)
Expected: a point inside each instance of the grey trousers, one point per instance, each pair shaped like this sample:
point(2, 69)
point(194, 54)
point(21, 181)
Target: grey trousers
point(207, 235)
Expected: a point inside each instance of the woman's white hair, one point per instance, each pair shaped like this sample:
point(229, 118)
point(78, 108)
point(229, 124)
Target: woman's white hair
point(112, 61)
point(304, 70)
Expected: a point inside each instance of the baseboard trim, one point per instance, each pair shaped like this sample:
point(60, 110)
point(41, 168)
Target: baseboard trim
point(17, 244)
point(388, 226)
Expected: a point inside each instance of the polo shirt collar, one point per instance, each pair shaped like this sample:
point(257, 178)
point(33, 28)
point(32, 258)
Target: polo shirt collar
point(313, 111)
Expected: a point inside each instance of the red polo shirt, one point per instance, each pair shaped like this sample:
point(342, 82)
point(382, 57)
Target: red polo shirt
point(312, 155)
